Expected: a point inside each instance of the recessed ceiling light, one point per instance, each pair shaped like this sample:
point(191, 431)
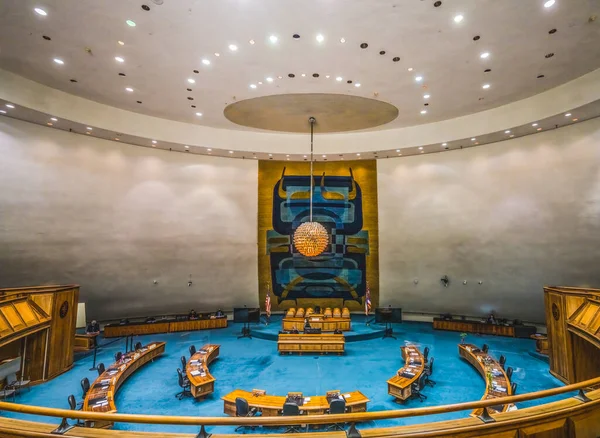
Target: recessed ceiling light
point(252, 85)
point(40, 11)
point(458, 18)
point(357, 85)
point(484, 55)
point(209, 149)
point(270, 155)
point(269, 79)
point(423, 111)
point(191, 81)
point(119, 59)
point(410, 69)
point(549, 3)
point(287, 155)
point(426, 96)
point(511, 135)
point(59, 61)
point(303, 75)
point(485, 86)
point(54, 119)
point(279, 77)
point(575, 120)
point(129, 89)
point(444, 144)
point(187, 147)
point(259, 83)
point(305, 156)
point(233, 47)
point(154, 141)
point(10, 105)
point(397, 150)
point(420, 148)
point(217, 54)
point(327, 76)
point(418, 78)
point(273, 39)
point(199, 114)
point(88, 128)
point(121, 43)
point(4, 112)
point(320, 38)
point(507, 131)
point(117, 138)
point(534, 124)
point(568, 115)
point(342, 40)
point(130, 23)
point(339, 79)
point(539, 129)
point(231, 152)
point(473, 139)
point(49, 124)
point(205, 62)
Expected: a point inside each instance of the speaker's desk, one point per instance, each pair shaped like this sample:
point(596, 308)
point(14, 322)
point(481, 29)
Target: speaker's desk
point(102, 393)
point(414, 364)
point(171, 325)
point(317, 321)
point(201, 381)
point(311, 343)
point(497, 383)
point(272, 405)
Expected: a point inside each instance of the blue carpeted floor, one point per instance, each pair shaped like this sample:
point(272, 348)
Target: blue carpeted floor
point(254, 363)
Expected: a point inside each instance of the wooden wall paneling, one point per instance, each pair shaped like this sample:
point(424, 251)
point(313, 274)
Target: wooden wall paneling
point(586, 425)
point(553, 429)
point(44, 301)
point(572, 303)
point(585, 360)
point(558, 336)
point(62, 332)
point(35, 350)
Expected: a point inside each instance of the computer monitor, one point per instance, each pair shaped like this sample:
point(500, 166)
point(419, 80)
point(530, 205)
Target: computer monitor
point(388, 314)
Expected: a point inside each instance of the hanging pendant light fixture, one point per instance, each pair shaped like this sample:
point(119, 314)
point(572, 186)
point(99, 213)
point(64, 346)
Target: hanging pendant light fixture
point(311, 238)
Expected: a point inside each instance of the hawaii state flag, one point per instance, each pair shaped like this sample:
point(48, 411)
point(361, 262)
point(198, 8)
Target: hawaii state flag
point(367, 301)
point(268, 302)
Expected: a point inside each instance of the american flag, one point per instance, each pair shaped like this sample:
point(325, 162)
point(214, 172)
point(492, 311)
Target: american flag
point(268, 302)
point(368, 300)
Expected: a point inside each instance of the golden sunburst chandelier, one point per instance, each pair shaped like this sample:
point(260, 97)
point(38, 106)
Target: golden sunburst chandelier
point(311, 238)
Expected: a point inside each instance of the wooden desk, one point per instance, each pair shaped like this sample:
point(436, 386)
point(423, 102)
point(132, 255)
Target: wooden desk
point(317, 343)
point(328, 321)
point(474, 327)
point(162, 326)
point(84, 342)
point(272, 405)
point(105, 387)
point(484, 362)
point(541, 343)
point(201, 385)
point(414, 363)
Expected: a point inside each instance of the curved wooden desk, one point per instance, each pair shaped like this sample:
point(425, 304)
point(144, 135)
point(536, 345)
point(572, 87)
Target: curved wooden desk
point(101, 396)
point(327, 322)
point(271, 405)
point(414, 363)
point(500, 385)
point(201, 381)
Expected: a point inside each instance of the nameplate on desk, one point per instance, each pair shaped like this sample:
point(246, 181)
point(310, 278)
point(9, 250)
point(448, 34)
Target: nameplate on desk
point(196, 373)
point(105, 381)
point(151, 346)
point(347, 395)
point(203, 352)
point(306, 399)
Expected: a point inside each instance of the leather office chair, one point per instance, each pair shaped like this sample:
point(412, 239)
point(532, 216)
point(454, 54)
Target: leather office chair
point(513, 387)
point(183, 362)
point(417, 387)
point(509, 372)
point(428, 372)
point(100, 368)
point(291, 410)
point(485, 348)
point(242, 409)
point(85, 386)
point(75, 407)
point(184, 383)
point(118, 356)
point(425, 354)
point(502, 361)
point(192, 350)
point(337, 406)
point(138, 345)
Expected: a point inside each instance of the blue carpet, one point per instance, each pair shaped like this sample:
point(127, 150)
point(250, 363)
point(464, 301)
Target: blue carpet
point(254, 363)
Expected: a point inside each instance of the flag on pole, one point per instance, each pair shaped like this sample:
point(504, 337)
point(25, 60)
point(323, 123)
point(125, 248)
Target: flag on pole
point(367, 300)
point(268, 302)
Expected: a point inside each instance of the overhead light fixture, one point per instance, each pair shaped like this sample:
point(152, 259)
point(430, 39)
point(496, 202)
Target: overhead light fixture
point(270, 155)
point(59, 61)
point(423, 111)
point(54, 119)
point(444, 144)
point(2, 112)
point(231, 152)
point(339, 79)
point(327, 76)
point(251, 41)
point(320, 38)
point(187, 147)
point(205, 62)
point(279, 77)
point(511, 135)
point(357, 85)
point(88, 128)
point(259, 83)
point(10, 105)
point(426, 96)
point(269, 79)
point(342, 40)
point(418, 78)
point(273, 39)
point(507, 131)
point(311, 238)
point(473, 139)
point(420, 148)
point(192, 81)
point(121, 43)
point(199, 114)
point(358, 155)
point(119, 59)
point(129, 89)
point(130, 23)
point(324, 156)
point(485, 86)
point(154, 141)
point(549, 3)
point(209, 149)
point(40, 11)
point(303, 75)
point(534, 124)
point(49, 124)
point(539, 129)
point(252, 85)
point(568, 115)
point(484, 55)
point(575, 120)
point(233, 47)
point(217, 54)
point(458, 18)
point(410, 69)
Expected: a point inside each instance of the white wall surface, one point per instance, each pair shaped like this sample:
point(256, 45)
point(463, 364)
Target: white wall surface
point(114, 218)
point(517, 215)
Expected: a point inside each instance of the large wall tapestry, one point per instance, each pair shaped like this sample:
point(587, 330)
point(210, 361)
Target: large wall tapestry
point(345, 202)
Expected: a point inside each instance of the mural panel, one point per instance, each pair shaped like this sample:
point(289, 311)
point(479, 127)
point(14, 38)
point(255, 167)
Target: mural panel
point(345, 202)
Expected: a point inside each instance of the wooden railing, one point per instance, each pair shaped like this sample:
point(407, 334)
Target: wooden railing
point(544, 410)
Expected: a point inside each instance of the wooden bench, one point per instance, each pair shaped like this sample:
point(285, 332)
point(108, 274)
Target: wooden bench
point(317, 343)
